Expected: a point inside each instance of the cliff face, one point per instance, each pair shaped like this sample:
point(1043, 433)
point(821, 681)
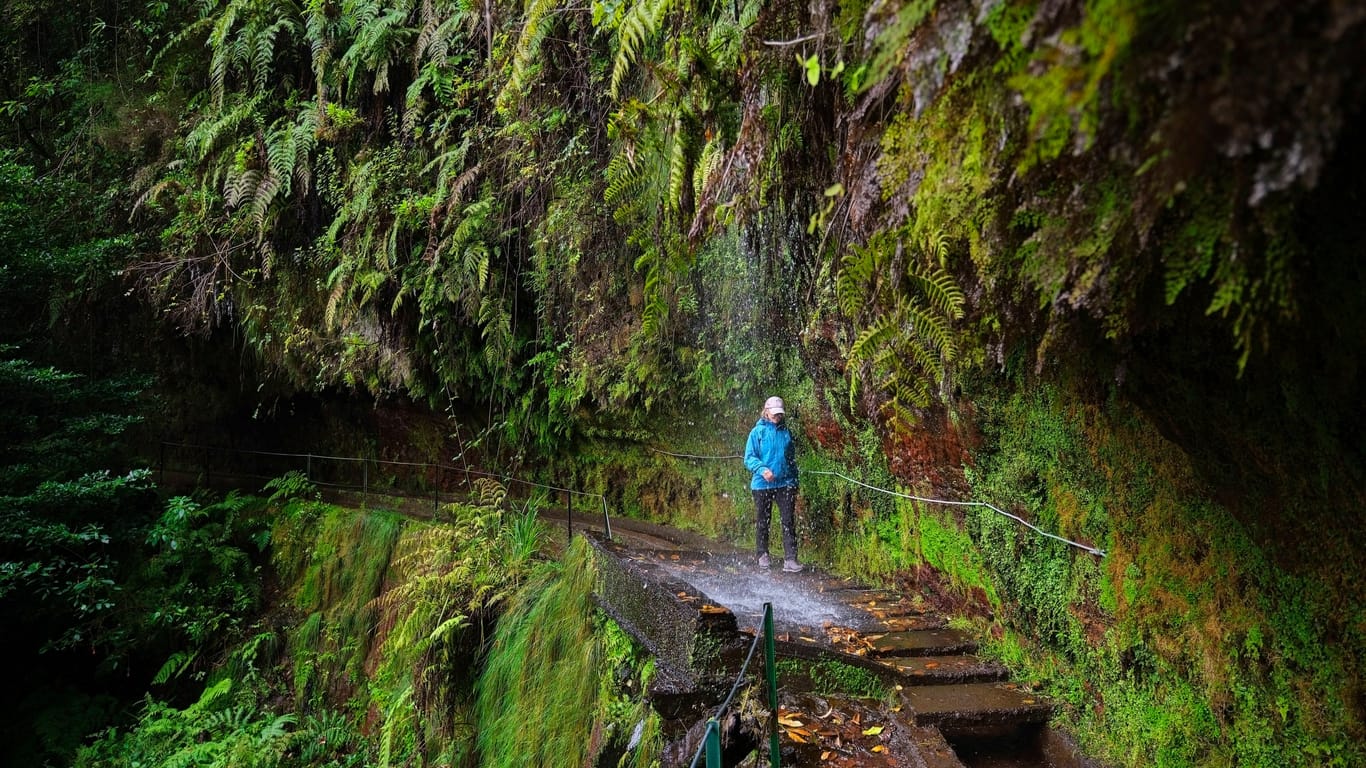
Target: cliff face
point(1095, 262)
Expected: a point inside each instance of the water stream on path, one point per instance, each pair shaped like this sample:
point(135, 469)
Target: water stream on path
point(798, 601)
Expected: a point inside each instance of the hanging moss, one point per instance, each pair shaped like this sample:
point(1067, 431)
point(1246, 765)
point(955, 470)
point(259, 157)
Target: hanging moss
point(554, 655)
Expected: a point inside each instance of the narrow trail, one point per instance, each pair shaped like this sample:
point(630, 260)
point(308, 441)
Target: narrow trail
point(946, 707)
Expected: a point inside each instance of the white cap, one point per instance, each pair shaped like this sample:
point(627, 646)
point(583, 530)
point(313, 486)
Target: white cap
point(774, 405)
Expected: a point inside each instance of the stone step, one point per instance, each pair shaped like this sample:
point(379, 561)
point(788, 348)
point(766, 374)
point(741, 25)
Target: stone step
point(973, 704)
point(913, 623)
point(884, 605)
point(922, 642)
point(946, 670)
point(931, 750)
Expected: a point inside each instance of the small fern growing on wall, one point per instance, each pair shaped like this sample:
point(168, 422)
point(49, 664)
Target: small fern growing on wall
point(903, 303)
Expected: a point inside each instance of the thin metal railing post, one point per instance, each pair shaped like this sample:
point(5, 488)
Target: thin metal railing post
point(308, 467)
point(713, 744)
point(606, 521)
point(771, 672)
point(569, 521)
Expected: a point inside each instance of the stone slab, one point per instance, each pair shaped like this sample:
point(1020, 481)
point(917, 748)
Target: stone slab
point(973, 704)
point(925, 642)
point(946, 670)
point(913, 623)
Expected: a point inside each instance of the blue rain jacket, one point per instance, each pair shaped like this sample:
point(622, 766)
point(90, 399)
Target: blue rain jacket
point(770, 445)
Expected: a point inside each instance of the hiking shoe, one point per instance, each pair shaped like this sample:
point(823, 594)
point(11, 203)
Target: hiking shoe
point(792, 566)
point(764, 562)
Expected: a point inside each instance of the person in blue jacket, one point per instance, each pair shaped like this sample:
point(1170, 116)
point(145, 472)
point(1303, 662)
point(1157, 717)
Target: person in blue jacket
point(769, 458)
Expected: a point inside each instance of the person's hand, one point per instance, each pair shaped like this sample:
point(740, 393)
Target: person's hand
point(768, 475)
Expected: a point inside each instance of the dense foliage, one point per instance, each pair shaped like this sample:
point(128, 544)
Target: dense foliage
point(372, 658)
point(1100, 253)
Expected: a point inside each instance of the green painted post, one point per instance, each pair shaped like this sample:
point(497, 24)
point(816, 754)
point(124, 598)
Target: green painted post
point(713, 744)
point(771, 672)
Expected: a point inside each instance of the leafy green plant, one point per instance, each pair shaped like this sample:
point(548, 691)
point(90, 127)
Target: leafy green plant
point(550, 641)
point(290, 486)
point(905, 302)
point(202, 581)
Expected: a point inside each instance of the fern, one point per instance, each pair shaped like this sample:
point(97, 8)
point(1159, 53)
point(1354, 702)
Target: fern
point(207, 134)
point(174, 667)
point(248, 47)
point(380, 39)
point(907, 302)
point(637, 26)
point(678, 167)
point(940, 290)
point(535, 24)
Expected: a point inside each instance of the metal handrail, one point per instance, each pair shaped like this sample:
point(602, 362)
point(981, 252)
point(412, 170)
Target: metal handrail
point(711, 737)
point(365, 486)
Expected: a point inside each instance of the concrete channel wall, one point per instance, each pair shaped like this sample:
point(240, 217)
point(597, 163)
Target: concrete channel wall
point(692, 641)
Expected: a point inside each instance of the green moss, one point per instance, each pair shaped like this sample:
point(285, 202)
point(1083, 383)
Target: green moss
point(1063, 84)
point(835, 678)
point(1187, 644)
point(555, 656)
point(831, 677)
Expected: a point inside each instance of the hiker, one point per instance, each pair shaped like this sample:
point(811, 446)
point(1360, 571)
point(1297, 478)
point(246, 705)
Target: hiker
point(768, 456)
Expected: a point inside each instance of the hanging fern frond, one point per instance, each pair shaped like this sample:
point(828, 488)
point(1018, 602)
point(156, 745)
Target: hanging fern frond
point(625, 180)
point(907, 301)
point(875, 337)
point(638, 25)
point(940, 290)
point(933, 331)
point(708, 164)
point(536, 22)
point(678, 168)
point(853, 285)
point(207, 134)
point(379, 41)
point(243, 39)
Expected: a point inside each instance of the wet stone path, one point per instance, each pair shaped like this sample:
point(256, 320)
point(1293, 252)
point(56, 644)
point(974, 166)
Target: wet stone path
point(944, 706)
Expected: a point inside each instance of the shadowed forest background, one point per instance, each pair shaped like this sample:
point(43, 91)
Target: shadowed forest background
point(1098, 263)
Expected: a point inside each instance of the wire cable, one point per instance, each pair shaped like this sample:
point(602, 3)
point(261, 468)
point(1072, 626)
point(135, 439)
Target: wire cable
point(1085, 547)
point(1016, 518)
point(692, 456)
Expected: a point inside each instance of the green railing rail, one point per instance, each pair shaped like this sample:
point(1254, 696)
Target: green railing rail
point(313, 467)
point(711, 739)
